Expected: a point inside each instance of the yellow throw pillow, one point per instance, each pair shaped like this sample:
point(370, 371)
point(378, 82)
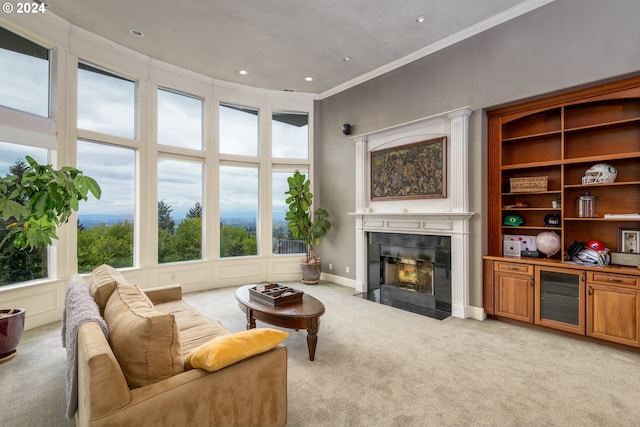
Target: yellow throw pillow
point(229, 349)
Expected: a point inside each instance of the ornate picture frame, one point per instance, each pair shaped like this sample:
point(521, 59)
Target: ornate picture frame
point(412, 171)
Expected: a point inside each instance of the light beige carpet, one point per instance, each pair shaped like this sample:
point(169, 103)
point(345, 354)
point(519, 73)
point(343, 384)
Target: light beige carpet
point(380, 366)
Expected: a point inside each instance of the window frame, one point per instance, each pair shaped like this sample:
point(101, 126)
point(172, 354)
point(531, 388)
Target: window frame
point(265, 158)
point(103, 136)
point(134, 144)
point(29, 129)
point(148, 76)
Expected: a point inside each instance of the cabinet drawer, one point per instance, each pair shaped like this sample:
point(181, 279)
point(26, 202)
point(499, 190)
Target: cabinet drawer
point(612, 279)
point(513, 267)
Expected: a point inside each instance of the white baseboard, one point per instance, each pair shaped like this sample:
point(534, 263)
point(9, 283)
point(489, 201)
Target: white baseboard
point(339, 280)
point(476, 313)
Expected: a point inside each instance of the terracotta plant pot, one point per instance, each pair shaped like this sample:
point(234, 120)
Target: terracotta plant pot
point(311, 273)
point(11, 329)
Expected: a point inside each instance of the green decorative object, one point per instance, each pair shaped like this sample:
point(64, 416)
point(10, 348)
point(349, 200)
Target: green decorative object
point(39, 199)
point(513, 220)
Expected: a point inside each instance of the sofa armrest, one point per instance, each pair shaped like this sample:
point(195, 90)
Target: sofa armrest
point(102, 387)
point(163, 294)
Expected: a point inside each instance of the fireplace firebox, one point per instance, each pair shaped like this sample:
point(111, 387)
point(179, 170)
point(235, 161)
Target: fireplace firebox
point(411, 272)
point(408, 273)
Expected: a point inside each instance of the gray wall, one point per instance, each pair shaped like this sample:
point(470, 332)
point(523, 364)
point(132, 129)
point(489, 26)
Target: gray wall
point(565, 44)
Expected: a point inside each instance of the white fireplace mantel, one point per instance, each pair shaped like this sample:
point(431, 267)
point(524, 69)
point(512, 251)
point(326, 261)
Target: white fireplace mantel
point(447, 216)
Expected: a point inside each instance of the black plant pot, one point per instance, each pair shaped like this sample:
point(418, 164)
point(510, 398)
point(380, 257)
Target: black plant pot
point(11, 329)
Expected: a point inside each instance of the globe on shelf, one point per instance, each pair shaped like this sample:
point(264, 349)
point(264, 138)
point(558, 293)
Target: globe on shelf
point(548, 243)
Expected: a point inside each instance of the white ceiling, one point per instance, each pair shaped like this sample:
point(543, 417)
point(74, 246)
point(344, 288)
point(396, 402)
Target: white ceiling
point(280, 42)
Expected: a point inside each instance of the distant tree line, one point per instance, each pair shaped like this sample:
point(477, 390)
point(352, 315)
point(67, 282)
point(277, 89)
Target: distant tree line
point(113, 244)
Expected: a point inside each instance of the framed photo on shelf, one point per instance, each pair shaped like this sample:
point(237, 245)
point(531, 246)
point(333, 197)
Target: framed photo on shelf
point(629, 241)
point(412, 171)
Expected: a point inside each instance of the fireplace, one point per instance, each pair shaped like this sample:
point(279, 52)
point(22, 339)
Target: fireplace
point(443, 220)
point(411, 272)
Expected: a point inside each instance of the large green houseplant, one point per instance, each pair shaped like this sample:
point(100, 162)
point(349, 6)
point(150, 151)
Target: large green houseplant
point(38, 199)
point(306, 225)
point(34, 200)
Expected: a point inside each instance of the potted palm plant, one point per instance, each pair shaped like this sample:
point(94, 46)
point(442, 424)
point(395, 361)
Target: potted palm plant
point(34, 200)
point(306, 225)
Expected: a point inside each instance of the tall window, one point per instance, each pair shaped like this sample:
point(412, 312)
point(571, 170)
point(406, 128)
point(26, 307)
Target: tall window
point(107, 108)
point(179, 181)
point(106, 226)
point(24, 86)
point(179, 210)
point(238, 211)
point(289, 144)
point(239, 182)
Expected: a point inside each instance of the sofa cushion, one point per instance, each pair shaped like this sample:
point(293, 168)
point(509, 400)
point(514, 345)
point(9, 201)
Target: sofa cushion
point(226, 350)
point(104, 280)
point(195, 329)
point(145, 341)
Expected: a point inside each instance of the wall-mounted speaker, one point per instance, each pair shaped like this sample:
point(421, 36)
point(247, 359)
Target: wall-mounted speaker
point(346, 129)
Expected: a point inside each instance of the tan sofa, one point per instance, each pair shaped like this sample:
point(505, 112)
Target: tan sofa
point(138, 376)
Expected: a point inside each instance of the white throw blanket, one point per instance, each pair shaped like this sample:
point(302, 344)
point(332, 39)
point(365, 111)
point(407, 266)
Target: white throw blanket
point(79, 307)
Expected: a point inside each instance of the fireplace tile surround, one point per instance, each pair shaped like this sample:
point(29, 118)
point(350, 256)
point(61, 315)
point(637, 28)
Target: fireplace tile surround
point(411, 272)
point(448, 216)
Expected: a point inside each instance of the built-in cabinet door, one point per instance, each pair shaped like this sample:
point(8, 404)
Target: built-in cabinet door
point(514, 296)
point(613, 314)
point(559, 299)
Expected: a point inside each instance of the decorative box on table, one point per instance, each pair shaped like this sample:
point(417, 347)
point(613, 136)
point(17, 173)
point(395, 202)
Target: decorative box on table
point(275, 294)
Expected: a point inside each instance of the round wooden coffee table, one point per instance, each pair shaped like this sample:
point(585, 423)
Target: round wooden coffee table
point(298, 315)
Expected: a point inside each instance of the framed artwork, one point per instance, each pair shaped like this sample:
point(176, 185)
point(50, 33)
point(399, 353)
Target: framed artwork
point(413, 171)
point(629, 241)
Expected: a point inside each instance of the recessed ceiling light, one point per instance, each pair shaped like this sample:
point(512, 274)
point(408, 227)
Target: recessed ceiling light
point(346, 59)
point(420, 19)
point(136, 33)
point(309, 78)
point(243, 72)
